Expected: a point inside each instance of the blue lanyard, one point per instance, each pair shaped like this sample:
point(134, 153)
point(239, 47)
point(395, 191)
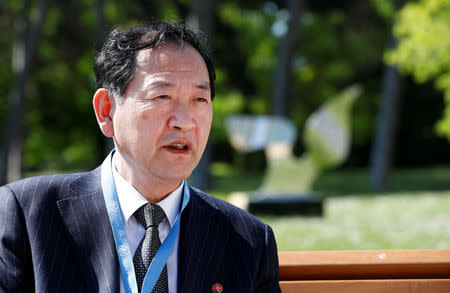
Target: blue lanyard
point(120, 237)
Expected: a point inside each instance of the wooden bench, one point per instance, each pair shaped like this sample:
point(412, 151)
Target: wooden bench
point(367, 271)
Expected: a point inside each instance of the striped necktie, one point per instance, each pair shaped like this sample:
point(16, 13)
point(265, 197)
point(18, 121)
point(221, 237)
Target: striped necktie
point(149, 216)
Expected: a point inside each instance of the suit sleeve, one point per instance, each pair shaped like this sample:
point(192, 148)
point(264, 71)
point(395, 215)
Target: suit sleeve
point(15, 257)
point(268, 276)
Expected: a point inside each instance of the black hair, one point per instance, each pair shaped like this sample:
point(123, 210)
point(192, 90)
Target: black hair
point(115, 63)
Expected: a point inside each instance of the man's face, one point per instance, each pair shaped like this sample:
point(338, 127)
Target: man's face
point(161, 125)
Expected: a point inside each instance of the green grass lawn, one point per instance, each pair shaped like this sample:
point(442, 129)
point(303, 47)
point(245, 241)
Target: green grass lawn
point(400, 221)
point(411, 212)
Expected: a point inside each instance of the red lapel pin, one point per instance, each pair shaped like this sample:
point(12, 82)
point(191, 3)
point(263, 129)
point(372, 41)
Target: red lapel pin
point(217, 288)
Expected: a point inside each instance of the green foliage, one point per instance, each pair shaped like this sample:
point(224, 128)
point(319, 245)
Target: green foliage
point(257, 54)
point(385, 9)
point(338, 45)
point(423, 32)
point(330, 54)
point(225, 104)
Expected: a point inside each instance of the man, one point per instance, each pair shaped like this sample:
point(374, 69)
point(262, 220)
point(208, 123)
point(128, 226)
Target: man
point(102, 231)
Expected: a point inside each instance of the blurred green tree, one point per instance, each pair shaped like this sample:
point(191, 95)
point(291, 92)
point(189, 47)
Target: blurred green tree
point(339, 43)
point(27, 35)
point(423, 32)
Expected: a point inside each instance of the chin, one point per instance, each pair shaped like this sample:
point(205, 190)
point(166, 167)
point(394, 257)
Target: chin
point(178, 176)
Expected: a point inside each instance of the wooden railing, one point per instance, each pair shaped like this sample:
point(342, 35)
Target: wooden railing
point(366, 271)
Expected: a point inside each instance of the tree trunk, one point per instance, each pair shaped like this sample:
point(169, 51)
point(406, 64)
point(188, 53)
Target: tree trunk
point(101, 33)
point(282, 77)
point(384, 142)
point(24, 51)
point(201, 18)
point(101, 23)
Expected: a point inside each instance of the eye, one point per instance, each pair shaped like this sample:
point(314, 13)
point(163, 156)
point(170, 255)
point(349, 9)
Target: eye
point(201, 99)
point(164, 97)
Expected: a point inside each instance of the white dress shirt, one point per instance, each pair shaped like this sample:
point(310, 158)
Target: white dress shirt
point(131, 200)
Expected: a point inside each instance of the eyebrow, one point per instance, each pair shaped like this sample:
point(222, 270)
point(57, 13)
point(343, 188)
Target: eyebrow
point(203, 86)
point(167, 84)
point(161, 84)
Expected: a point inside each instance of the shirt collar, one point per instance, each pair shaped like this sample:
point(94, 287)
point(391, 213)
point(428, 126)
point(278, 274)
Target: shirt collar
point(130, 199)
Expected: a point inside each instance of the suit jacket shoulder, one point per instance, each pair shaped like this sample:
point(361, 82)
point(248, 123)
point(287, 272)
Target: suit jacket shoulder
point(226, 245)
point(245, 224)
point(52, 235)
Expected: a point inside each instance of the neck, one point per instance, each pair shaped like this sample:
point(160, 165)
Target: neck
point(153, 188)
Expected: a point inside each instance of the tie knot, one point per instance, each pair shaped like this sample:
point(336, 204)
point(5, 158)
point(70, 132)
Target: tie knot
point(150, 215)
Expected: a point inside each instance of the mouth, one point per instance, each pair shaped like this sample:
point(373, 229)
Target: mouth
point(178, 146)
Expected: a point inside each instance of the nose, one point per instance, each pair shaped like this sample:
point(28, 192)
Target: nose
point(182, 117)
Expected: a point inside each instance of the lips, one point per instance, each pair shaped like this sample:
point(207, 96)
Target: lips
point(179, 146)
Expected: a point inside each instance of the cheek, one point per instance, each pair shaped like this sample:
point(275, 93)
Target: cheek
point(205, 124)
point(150, 110)
point(126, 124)
point(209, 117)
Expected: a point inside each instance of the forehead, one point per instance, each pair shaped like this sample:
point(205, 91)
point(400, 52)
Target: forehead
point(170, 58)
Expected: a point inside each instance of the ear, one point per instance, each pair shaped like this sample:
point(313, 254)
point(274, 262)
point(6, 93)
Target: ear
point(104, 106)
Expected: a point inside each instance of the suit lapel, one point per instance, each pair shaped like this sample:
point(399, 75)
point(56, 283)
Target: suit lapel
point(200, 253)
point(86, 219)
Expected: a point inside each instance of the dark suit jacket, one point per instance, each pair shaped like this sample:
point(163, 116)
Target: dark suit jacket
point(55, 236)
